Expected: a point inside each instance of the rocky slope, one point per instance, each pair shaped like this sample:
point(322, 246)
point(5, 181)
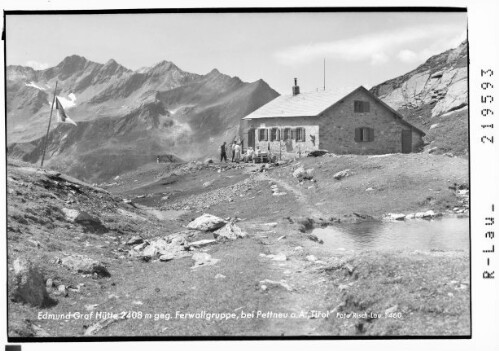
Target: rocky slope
point(434, 97)
point(125, 118)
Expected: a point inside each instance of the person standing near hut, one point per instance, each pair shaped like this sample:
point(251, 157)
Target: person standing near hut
point(233, 150)
point(237, 150)
point(223, 152)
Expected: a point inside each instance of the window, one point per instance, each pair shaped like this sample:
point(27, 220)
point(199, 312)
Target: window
point(263, 134)
point(300, 134)
point(360, 106)
point(364, 134)
point(275, 134)
point(287, 134)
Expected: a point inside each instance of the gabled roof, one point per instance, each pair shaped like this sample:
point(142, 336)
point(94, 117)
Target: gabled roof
point(312, 104)
point(307, 104)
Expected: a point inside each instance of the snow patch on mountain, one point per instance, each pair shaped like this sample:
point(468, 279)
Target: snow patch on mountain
point(175, 110)
point(33, 85)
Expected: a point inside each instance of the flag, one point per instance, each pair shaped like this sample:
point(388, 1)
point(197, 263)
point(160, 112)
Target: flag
point(62, 117)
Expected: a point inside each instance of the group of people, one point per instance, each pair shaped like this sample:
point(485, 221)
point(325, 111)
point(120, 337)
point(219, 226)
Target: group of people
point(237, 154)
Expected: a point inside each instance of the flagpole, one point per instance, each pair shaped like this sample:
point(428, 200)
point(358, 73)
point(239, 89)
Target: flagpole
point(48, 128)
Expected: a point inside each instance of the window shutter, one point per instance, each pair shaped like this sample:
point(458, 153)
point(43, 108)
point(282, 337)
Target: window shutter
point(278, 134)
point(357, 134)
point(266, 135)
point(297, 134)
point(371, 134)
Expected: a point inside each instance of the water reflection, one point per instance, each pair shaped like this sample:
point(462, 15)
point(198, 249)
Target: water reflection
point(440, 234)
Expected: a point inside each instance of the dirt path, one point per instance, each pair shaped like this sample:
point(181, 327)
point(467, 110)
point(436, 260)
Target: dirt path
point(307, 206)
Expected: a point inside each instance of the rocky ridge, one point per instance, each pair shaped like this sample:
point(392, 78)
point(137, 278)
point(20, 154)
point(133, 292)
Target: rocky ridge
point(125, 118)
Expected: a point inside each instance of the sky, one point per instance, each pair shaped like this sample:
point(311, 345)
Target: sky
point(358, 48)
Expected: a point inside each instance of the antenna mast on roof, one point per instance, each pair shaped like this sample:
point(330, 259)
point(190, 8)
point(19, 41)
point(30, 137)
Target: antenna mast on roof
point(324, 74)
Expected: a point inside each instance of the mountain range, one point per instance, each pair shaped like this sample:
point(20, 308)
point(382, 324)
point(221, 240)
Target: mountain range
point(126, 118)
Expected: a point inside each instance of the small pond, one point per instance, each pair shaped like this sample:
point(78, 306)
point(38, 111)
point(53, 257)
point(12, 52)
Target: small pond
point(450, 233)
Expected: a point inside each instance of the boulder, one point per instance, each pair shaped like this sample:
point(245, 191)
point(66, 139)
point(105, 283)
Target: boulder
point(341, 174)
point(279, 257)
point(135, 240)
point(272, 283)
point(173, 246)
point(229, 231)
point(429, 214)
point(299, 172)
point(85, 265)
point(165, 248)
point(91, 223)
point(206, 223)
point(166, 257)
point(315, 238)
point(203, 259)
point(396, 216)
point(208, 161)
point(201, 243)
point(309, 174)
point(27, 285)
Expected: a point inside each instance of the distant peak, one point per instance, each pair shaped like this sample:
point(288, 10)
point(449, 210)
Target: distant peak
point(111, 62)
point(214, 71)
point(165, 64)
point(73, 59)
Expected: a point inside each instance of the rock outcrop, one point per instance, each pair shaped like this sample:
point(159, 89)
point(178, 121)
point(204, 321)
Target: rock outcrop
point(434, 97)
point(230, 231)
point(440, 85)
point(206, 223)
point(27, 285)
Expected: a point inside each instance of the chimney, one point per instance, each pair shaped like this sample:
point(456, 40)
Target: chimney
point(296, 88)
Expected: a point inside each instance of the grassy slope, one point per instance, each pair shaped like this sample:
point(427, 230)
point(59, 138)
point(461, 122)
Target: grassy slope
point(401, 183)
point(403, 278)
point(451, 133)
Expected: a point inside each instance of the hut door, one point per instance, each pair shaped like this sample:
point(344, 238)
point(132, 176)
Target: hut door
point(251, 138)
point(406, 141)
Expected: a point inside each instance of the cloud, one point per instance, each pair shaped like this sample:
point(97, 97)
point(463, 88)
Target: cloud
point(377, 48)
point(37, 65)
point(436, 47)
point(408, 56)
